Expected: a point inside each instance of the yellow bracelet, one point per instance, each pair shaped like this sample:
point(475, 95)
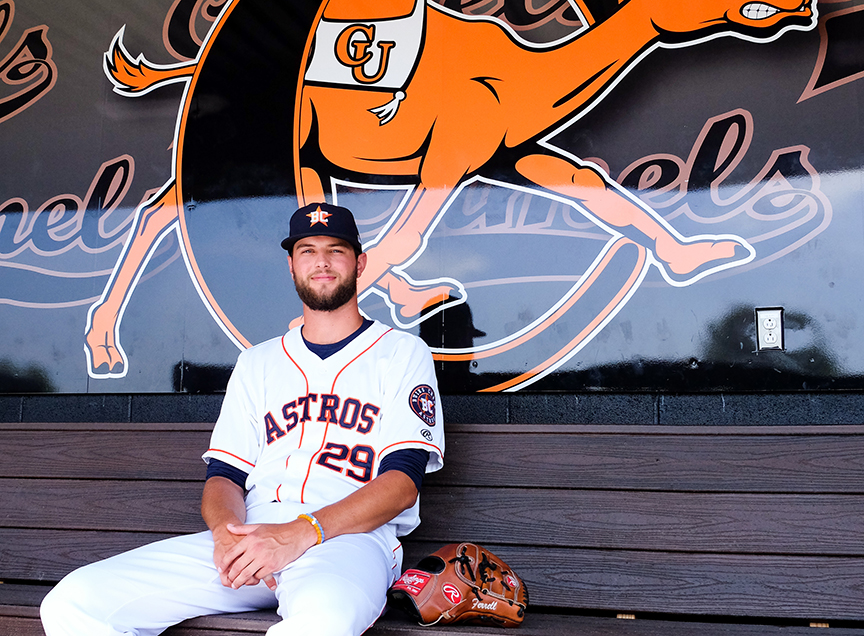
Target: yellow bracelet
point(315, 524)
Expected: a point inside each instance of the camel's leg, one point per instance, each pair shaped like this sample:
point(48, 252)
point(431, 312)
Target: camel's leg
point(440, 175)
point(683, 260)
point(104, 354)
point(412, 298)
point(401, 241)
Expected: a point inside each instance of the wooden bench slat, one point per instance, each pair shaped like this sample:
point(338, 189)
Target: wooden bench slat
point(394, 623)
point(187, 630)
point(16, 626)
point(48, 555)
point(111, 454)
point(852, 430)
point(150, 506)
point(692, 522)
point(718, 463)
point(664, 582)
point(125, 427)
point(455, 426)
point(19, 611)
point(21, 600)
point(542, 626)
point(534, 625)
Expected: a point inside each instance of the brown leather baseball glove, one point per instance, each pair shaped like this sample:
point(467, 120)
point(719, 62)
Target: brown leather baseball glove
point(461, 583)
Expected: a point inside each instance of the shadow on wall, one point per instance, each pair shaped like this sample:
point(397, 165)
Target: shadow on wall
point(732, 341)
point(727, 361)
point(32, 379)
point(190, 377)
point(452, 328)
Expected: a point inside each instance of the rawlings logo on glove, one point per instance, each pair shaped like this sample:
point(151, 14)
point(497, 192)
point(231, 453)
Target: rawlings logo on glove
point(461, 583)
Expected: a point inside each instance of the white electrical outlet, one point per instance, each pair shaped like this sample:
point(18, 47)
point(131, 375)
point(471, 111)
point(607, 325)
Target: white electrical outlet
point(769, 328)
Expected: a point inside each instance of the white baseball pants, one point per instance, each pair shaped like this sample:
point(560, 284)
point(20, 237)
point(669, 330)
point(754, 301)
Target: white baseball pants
point(337, 588)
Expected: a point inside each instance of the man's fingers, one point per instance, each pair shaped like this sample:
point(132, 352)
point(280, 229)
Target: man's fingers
point(223, 577)
point(245, 575)
point(252, 558)
point(233, 554)
point(240, 566)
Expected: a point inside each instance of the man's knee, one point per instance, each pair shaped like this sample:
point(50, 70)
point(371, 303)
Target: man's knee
point(51, 611)
point(335, 621)
point(316, 610)
point(63, 610)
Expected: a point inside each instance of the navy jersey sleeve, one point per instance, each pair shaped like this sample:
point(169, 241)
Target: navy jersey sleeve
point(411, 461)
point(215, 468)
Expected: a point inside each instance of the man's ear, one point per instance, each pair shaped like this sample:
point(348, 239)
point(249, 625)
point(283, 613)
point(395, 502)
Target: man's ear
point(291, 265)
point(361, 263)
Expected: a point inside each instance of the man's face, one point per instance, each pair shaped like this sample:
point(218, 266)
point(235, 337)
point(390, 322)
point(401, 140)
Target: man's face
point(325, 272)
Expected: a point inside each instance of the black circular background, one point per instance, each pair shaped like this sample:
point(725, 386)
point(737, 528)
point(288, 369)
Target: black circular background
point(237, 173)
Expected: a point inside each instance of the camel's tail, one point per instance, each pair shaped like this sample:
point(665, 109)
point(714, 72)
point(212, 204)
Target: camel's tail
point(134, 77)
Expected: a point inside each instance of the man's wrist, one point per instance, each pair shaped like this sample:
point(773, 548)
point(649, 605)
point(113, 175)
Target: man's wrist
point(315, 530)
point(221, 528)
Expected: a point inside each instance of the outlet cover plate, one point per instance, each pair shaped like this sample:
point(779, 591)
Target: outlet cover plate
point(769, 329)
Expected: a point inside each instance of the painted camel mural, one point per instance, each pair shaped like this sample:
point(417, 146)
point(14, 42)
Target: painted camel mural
point(408, 119)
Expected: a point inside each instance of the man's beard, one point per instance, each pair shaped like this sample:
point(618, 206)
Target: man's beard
point(327, 301)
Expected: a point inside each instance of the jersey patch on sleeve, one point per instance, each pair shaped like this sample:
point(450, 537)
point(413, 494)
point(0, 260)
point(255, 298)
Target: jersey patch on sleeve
point(422, 401)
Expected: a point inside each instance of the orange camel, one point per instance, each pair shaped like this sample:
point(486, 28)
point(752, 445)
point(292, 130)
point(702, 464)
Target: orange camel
point(478, 67)
point(424, 133)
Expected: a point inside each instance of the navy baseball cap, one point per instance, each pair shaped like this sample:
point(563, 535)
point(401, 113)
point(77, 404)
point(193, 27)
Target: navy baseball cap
point(323, 219)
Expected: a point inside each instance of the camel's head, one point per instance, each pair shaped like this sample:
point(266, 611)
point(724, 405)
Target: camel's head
point(753, 19)
point(757, 18)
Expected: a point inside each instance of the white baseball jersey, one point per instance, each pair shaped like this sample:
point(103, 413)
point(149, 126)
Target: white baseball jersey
point(313, 431)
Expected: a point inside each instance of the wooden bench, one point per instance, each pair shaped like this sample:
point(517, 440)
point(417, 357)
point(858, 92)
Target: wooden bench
point(708, 530)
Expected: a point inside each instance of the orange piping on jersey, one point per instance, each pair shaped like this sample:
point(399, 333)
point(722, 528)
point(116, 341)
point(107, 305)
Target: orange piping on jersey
point(326, 424)
point(395, 559)
point(277, 493)
point(302, 422)
point(411, 441)
point(333, 386)
point(219, 450)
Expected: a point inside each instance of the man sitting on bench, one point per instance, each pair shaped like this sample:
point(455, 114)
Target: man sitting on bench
point(313, 472)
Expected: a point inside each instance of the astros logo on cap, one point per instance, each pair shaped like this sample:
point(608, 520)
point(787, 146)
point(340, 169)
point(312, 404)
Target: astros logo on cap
point(318, 216)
